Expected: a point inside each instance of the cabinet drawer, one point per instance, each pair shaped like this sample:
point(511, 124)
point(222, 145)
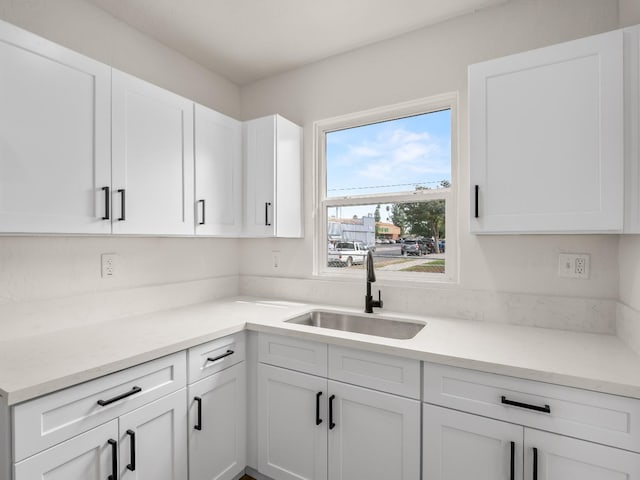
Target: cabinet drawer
point(593, 416)
point(387, 373)
point(293, 353)
point(48, 420)
point(214, 356)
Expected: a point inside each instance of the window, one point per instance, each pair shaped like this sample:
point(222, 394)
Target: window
point(386, 183)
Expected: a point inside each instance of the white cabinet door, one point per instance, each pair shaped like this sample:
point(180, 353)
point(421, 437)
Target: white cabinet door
point(217, 425)
point(218, 170)
point(459, 445)
point(546, 139)
point(632, 129)
point(88, 456)
point(292, 424)
point(273, 177)
point(372, 435)
point(152, 159)
point(555, 457)
point(153, 440)
point(55, 152)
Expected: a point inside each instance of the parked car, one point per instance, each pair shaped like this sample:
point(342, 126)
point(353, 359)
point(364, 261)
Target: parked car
point(347, 254)
point(414, 247)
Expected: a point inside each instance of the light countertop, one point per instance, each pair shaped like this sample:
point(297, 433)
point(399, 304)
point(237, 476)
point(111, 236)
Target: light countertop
point(36, 365)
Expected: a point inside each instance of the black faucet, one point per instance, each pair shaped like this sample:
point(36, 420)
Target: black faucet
point(369, 302)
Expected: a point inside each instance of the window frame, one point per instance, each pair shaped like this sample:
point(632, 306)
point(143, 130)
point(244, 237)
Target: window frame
point(448, 101)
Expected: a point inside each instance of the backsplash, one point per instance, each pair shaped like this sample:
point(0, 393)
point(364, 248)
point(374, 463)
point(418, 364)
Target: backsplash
point(563, 313)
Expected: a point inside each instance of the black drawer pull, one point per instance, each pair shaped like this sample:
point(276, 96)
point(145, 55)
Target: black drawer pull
point(331, 424)
point(107, 199)
point(219, 357)
point(477, 189)
point(512, 469)
point(535, 463)
point(545, 409)
point(133, 391)
point(266, 214)
point(198, 425)
point(123, 207)
point(203, 221)
point(132, 466)
point(318, 419)
point(114, 459)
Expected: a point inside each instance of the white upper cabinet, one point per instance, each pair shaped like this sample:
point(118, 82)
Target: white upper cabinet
point(273, 177)
point(546, 139)
point(152, 159)
point(632, 129)
point(218, 171)
point(54, 137)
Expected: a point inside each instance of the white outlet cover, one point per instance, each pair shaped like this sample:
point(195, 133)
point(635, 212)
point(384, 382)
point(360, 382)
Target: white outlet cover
point(573, 265)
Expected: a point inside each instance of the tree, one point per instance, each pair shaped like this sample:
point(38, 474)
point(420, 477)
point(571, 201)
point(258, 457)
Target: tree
point(425, 219)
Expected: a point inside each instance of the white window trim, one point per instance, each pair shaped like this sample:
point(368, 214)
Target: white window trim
point(391, 112)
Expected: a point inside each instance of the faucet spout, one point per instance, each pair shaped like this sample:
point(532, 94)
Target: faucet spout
point(369, 302)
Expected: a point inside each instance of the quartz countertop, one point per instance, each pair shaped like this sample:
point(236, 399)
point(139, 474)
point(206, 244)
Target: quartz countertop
point(39, 364)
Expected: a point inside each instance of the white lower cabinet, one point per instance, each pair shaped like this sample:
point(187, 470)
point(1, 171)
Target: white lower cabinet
point(313, 428)
point(153, 440)
point(459, 445)
point(292, 424)
point(556, 457)
point(217, 425)
point(88, 456)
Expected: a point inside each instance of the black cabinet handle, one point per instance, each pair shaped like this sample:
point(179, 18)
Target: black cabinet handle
point(331, 424)
point(477, 189)
point(123, 208)
point(266, 213)
point(535, 463)
point(132, 466)
point(318, 419)
point(198, 425)
point(202, 222)
point(107, 198)
point(219, 357)
point(545, 409)
point(512, 469)
point(133, 391)
point(114, 459)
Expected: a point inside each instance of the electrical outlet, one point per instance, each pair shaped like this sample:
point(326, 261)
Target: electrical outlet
point(275, 255)
point(573, 265)
point(108, 265)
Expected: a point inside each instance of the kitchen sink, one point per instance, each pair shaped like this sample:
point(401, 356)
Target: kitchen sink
point(367, 324)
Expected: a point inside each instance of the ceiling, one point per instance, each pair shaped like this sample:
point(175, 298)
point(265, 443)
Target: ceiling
point(247, 40)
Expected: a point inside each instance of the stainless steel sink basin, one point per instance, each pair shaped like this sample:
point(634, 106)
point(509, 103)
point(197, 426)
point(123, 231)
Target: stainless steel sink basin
point(367, 324)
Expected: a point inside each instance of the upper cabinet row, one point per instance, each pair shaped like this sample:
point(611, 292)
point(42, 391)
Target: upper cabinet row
point(554, 138)
point(86, 149)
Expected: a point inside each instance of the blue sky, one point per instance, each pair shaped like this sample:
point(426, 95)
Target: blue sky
point(390, 156)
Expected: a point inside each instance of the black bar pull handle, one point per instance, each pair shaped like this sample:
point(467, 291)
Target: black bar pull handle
point(198, 425)
point(219, 357)
point(107, 201)
point(535, 463)
point(318, 419)
point(132, 466)
point(512, 468)
point(477, 190)
point(202, 222)
point(123, 208)
point(114, 459)
point(331, 424)
point(133, 391)
point(545, 409)
point(266, 214)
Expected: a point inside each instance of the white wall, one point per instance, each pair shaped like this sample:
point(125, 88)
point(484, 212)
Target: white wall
point(40, 268)
point(427, 62)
